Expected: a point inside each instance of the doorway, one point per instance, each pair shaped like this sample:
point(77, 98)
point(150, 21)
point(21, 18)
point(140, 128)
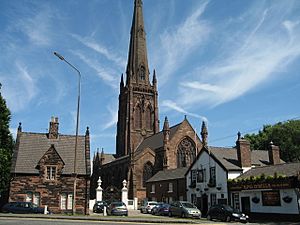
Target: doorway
point(245, 205)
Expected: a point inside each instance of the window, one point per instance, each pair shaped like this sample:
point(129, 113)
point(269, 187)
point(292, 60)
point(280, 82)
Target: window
point(153, 188)
point(149, 120)
point(170, 187)
point(200, 176)
point(138, 118)
point(28, 197)
point(185, 153)
point(147, 172)
point(193, 178)
point(66, 201)
point(33, 197)
point(37, 199)
point(213, 199)
point(51, 173)
point(236, 200)
point(212, 179)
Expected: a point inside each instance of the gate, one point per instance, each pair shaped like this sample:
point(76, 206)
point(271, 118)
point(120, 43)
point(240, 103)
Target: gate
point(111, 193)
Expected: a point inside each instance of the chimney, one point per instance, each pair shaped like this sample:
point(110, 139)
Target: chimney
point(243, 151)
point(53, 128)
point(274, 154)
point(87, 151)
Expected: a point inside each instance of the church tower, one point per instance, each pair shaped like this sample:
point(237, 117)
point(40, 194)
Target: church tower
point(138, 98)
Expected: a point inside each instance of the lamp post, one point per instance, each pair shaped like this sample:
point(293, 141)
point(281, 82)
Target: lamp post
point(77, 124)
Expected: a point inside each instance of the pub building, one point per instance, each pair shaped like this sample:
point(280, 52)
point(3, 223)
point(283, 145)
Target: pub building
point(268, 191)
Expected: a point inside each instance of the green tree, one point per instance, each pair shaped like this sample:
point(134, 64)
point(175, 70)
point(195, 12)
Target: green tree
point(6, 145)
point(286, 135)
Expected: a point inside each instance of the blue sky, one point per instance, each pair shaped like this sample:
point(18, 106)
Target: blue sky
point(234, 64)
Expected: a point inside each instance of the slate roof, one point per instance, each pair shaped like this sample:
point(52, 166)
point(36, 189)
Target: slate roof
point(32, 146)
point(169, 174)
point(287, 169)
point(228, 157)
point(156, 141)
point(107, 158)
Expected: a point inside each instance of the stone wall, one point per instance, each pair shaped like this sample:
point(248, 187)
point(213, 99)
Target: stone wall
point(50, 191)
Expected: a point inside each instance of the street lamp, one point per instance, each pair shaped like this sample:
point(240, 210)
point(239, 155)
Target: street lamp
point(77, 123)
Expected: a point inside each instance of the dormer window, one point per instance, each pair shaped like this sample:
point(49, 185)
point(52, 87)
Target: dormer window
point(51, 172)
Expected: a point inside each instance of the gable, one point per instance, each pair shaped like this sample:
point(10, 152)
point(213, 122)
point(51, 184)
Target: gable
point(51, 157)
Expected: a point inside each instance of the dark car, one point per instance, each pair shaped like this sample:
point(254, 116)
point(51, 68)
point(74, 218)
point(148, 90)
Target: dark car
point(161, 209)
point(226, 213)
point(117, 209)
point(184, 209)
point(99, 206)
point(23, 207)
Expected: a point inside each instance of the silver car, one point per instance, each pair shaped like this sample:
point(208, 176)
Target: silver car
point(184, 209)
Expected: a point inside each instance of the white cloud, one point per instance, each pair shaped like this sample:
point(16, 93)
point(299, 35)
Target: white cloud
point(178, 44)
point(36, 24)
point(250, 57)
point(104, 73)
point(113, 118)
point(20, 89)
point(173, 105)
point(92, 44)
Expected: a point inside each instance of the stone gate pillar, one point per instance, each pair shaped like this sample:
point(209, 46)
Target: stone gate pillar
point(99, 190)
point(125, 193)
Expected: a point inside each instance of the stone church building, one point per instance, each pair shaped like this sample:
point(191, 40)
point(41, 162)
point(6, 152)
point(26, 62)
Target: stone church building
point(141, 148)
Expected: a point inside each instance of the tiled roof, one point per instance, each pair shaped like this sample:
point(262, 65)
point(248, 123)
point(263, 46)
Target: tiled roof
point(32, 146)
point(108, 158)
point(287, 169)
point(169, 174)
point(228, 157)
point(156, 141)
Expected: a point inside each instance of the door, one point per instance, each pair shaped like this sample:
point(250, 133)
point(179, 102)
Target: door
point(204, 208)
point(245, 205)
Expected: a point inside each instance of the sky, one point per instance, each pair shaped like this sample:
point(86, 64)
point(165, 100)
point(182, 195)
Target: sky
point(233, 64)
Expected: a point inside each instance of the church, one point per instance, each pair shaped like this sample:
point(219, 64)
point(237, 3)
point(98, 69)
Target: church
point(141, 148)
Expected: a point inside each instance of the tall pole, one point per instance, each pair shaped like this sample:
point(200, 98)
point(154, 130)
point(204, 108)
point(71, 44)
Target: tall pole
point(76, 137)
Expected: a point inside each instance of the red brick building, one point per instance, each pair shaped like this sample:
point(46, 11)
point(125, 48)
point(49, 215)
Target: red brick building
point(43, 169)
point(141, 148)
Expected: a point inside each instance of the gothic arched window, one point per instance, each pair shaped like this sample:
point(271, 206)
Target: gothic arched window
point(186, 153)
point(149, 119)
point(138, 118)
point(147, 172)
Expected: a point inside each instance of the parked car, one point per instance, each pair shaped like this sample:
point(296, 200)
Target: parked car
point(184, 209)
point(23, 207)
point(117, 209)
point(161, 209)
point(147, 207)
point(99, 206)
point(226, 213)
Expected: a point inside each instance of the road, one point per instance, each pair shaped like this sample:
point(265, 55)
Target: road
point(53, 221)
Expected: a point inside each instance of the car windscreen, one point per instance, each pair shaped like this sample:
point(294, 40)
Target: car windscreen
point(117, 204)
point(188, 205)
point(228, 208)
point(152, 203)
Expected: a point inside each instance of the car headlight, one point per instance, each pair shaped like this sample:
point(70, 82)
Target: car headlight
point(235, 215)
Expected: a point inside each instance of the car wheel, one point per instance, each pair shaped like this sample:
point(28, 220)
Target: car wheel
point(209, 217)
point(183, 215)
point(170, 214)
point(228, 219)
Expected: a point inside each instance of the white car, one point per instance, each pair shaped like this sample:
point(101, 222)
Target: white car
point(147, 207)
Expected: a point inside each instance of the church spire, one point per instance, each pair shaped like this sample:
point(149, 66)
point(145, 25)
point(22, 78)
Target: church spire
point(137, 66)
